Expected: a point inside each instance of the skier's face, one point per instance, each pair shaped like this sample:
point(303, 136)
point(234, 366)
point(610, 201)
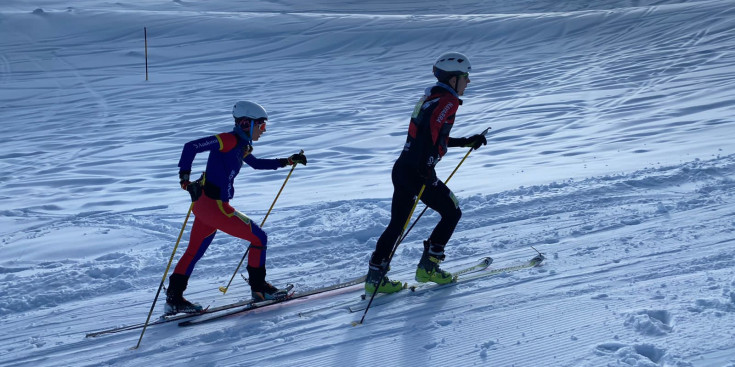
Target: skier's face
point(258, 130)
point(462, 81)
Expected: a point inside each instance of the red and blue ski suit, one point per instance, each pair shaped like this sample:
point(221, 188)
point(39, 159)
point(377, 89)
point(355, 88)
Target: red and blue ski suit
point(212, 211)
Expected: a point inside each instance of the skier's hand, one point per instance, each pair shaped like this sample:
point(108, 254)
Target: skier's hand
point(475, 141)
point(195, 190)
point(184, 179)
point(297, 158)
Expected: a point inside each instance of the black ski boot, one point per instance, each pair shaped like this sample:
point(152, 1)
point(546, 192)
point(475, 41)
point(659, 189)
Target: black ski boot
point(262, 290)
point(175, 301)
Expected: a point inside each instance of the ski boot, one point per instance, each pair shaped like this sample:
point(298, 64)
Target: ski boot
point(383, 285)
point(175, 301)
point(262, 290)
point(428, 269)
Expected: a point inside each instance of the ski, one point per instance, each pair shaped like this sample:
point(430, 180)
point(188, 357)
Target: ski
point(166, 319)
point(170, 318)
point(534, 262)
point(463, 275)
point(258, 305)
point(213, 310)
point(481, 264)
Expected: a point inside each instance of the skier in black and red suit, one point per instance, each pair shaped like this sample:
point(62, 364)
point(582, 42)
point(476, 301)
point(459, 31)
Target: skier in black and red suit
point(426, 143)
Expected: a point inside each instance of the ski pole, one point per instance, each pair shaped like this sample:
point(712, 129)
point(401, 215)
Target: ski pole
point(160, 286)
point(224, 289)
point(395, 246)
point(445, 181)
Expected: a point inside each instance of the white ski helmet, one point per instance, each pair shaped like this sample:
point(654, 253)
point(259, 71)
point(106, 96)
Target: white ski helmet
point(451, 64)
point(250, 110)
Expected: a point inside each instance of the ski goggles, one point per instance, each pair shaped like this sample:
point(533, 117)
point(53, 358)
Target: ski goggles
point(257, 124)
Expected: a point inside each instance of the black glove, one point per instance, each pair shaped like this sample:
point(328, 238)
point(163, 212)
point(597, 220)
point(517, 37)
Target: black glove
point(293, 159)
point(195, 190)
point(475, 141)
point(184, 179)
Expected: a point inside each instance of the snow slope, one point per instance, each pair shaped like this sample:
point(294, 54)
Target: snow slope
point(610, 151)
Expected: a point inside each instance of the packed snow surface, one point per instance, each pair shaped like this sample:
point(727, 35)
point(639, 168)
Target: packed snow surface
point(611, 151)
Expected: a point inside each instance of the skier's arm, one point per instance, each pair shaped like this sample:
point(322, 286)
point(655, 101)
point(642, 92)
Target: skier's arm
point(223, 142)
point(442, 120)
point(473, 141)
point(440, 124)
point(197, 146)
point(258, 163)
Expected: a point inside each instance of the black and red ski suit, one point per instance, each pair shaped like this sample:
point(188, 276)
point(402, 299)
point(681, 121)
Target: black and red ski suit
point(426, 143)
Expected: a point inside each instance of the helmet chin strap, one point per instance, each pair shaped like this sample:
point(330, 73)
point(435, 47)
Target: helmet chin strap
point(245, 135)
point(456, 82)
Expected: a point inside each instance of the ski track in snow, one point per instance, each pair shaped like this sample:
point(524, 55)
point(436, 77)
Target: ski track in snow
point(613, 260)
point(611, 152)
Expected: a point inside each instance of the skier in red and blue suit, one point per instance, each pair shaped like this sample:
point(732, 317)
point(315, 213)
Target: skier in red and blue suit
point(212, 211)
